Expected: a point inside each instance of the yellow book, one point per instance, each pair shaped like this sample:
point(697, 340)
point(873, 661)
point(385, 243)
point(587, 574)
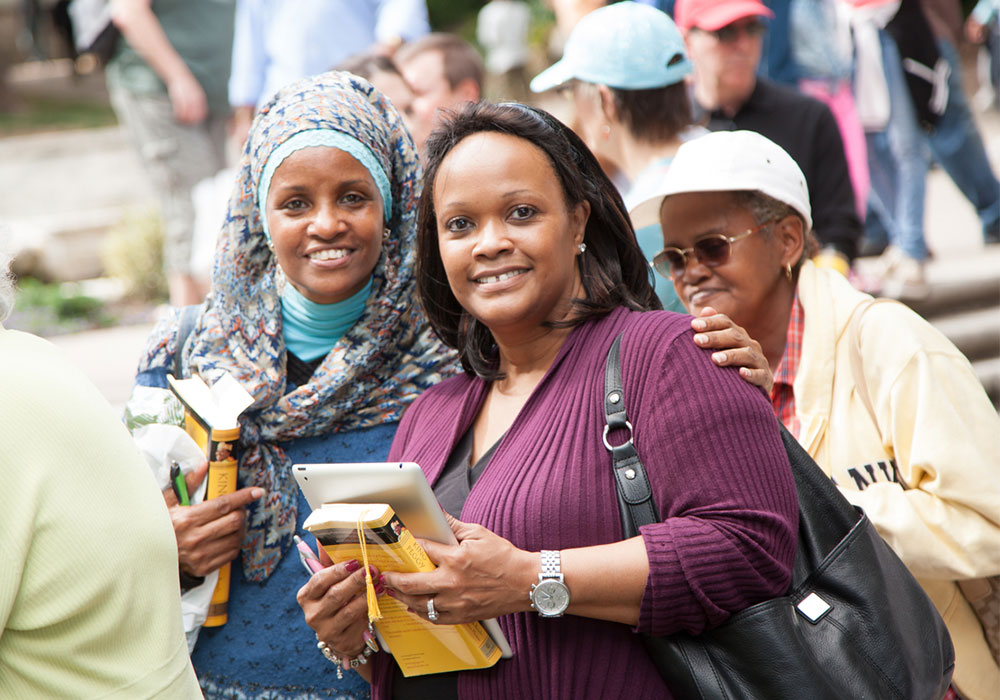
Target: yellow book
point(419, 647)
point(211, 418)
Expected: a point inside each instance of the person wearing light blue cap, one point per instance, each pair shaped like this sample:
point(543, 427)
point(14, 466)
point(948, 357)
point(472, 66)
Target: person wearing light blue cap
point(626, 64)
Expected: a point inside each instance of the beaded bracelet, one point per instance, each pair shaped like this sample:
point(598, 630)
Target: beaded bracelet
point(342, 664)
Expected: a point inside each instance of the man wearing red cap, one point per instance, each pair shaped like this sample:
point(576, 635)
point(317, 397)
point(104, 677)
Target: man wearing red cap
point(724, 40)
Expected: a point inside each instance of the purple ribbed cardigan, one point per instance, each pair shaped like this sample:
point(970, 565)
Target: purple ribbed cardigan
point(719, 474)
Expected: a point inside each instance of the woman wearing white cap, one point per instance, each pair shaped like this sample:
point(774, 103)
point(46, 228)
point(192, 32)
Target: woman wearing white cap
point(626, 64)
point(887, 406)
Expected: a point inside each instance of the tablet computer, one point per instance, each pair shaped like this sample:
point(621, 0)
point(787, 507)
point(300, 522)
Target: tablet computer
point(400, 484)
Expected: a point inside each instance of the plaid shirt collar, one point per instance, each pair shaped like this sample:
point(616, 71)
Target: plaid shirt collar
point(782, 393)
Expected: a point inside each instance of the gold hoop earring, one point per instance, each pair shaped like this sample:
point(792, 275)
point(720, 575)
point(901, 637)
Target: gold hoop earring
point(788, 271)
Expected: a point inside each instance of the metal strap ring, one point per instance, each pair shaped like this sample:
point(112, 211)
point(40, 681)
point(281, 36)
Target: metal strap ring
point(607, 429)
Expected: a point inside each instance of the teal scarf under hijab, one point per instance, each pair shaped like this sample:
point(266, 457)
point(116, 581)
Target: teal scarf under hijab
point(311, 330)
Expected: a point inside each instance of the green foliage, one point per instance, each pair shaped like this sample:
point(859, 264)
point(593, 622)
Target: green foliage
point(133, 253)
point(49, 113)
point(449, 15)
point(59, 299)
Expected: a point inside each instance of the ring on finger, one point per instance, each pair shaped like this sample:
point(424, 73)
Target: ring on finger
point(432, 614)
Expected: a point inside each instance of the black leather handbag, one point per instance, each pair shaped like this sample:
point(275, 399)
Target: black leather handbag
point(853, 624)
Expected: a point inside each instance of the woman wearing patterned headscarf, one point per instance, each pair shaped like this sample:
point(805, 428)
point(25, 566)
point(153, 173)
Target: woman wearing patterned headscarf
point(313, 310)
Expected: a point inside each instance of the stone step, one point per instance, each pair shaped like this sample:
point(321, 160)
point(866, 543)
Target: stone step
point(976, 333)
point(969, 294)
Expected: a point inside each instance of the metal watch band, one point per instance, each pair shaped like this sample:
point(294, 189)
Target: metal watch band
point(551, 564)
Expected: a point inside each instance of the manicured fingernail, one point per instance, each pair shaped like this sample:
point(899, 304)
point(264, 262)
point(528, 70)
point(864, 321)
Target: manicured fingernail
point(698, 324)
point(719, 357)
point(744, 372)
point(257, 493)
point(700, 339)
point(352, 565)
point(381, 580)
point(370, 640)
point(379, 589)
point(371, 571)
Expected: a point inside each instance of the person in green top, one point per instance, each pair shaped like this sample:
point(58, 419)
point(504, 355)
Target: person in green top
point(89, 601)
point(168, 82)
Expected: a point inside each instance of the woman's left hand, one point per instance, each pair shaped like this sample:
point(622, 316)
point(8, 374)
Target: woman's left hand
point(733, 346)
point(482, 577)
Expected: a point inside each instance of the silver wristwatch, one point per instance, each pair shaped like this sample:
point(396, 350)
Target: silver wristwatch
point(550, 596)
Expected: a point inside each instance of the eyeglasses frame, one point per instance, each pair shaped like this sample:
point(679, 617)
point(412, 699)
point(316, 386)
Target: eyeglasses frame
point(728, 239)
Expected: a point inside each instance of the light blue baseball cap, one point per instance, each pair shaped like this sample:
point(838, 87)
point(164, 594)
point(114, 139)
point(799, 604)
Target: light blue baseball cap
point(625, 45)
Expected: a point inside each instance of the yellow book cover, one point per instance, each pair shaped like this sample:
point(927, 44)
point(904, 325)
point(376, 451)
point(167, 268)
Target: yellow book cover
point(419, 647)
point(211, 418)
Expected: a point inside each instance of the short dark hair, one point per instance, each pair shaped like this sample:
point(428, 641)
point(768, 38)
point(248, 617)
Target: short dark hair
point(613, 268)
point(764, 208)
point(655, 115)
point(366, 64)
point(460, 59)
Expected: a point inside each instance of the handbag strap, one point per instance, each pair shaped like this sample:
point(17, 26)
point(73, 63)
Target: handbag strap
point(635, 497)
point(189, 315)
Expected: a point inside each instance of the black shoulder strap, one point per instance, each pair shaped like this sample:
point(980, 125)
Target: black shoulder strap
point(635, 497)
point(189, 315)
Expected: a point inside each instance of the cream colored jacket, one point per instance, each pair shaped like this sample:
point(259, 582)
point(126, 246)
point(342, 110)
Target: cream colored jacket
point(937, 433)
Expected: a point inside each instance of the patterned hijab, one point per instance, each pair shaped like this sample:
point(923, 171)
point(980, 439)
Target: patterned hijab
point(372, 374)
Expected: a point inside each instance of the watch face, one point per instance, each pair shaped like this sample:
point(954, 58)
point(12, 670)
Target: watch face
point(550, 597)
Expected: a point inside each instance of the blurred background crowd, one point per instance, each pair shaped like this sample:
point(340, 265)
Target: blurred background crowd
point(120, 138)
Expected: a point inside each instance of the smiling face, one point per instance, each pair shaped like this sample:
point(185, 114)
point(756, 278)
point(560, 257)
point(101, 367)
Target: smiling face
point(324, 212)
point(507, 238)
point(742, 287)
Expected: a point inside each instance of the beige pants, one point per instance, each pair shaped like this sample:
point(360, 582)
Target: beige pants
point(177, 157)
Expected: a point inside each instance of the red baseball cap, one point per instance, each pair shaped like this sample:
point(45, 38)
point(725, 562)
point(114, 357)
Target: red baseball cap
point(715, 14)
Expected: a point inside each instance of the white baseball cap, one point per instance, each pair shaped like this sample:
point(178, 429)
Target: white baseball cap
point(729, 161)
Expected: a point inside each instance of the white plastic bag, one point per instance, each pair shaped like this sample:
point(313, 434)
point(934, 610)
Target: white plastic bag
point(160, 445)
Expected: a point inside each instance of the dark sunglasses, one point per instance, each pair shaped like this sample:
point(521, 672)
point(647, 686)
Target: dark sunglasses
point(731, 32)
point(712, 250)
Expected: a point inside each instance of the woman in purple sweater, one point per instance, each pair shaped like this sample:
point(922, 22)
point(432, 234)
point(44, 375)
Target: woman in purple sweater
point(528, 266)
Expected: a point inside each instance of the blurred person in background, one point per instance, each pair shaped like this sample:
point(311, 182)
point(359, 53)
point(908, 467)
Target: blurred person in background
point(278, 42)
point(983, 27)
point(502, 28)
point(167, 84)
point(89, 600)
point(955, 141)
point(724, 41)
point(887, 406)
point(625, 65)
point(444, 71)
point(909, 88)
point(820, 43)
